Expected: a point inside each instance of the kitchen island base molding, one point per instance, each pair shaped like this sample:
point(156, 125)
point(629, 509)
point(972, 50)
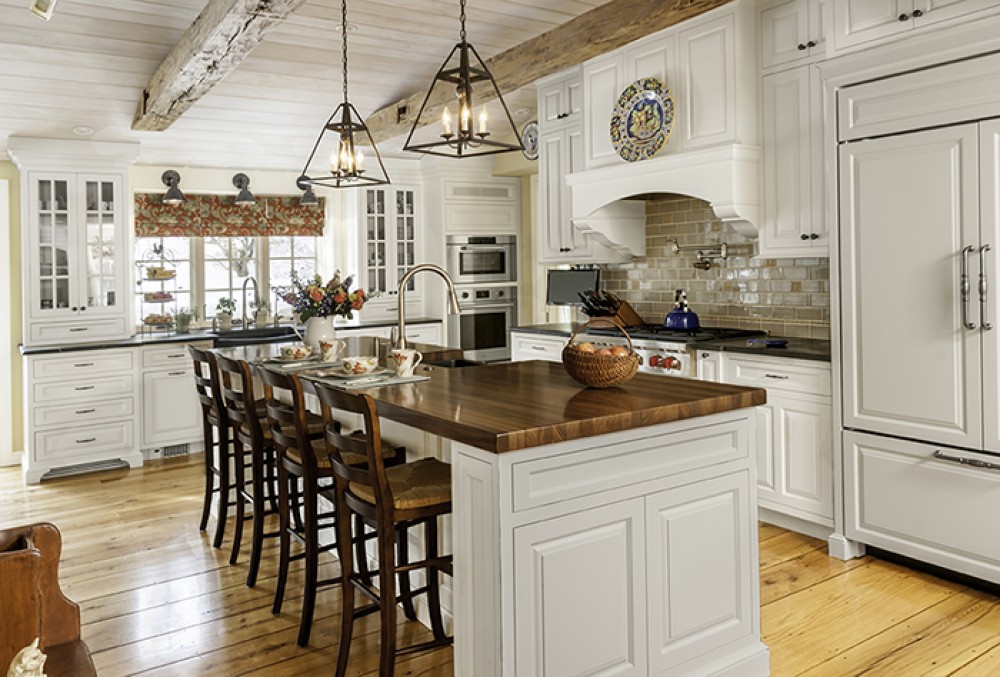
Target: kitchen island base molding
point(629, 553)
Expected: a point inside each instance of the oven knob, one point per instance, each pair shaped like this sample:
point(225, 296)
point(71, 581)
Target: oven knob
point(654, 360)
point(500, 293)
point(639, 358)
point(465, 295)
point(670, 363)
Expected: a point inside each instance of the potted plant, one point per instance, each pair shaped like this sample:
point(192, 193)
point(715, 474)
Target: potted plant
point(224, 310)
point(183, 317)
point(260, 308)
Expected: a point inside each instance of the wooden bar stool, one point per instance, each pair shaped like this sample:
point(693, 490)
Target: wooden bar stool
point(289, 424)
point(251, 439)
point(214, 424)
point(393, 499)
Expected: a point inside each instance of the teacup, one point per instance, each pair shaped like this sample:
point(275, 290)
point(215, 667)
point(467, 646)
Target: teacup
point(331, 350)
point(360, 364)
point(406, 360)
point(298, 351)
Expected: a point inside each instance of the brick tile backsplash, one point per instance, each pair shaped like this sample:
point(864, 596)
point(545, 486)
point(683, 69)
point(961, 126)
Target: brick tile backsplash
point(788, 297)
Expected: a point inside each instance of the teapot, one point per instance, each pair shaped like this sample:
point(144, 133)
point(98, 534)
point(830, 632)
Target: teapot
point(681, 318)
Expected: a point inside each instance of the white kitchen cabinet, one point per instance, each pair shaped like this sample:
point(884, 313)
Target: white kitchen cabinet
point(794, 430)
point(794, 205)
point(74, 220)
point(603, 81)
point(792, 33)
point(859, 22)
point(391, 241)
point(491, 207)
point(560, 99)
point(79, 410)
point(707, 53)
point(557, 240)
point(532, 346)
point(171, 412)
point(570, 608)
point(632, 553)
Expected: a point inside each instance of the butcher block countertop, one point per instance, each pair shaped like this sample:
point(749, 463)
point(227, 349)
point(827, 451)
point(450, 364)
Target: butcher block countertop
point(516, 405)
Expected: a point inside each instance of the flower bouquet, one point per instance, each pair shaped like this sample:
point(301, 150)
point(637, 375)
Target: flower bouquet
point(311, 297)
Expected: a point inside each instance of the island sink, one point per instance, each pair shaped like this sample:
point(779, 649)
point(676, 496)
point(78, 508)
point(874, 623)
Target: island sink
point(244, 337)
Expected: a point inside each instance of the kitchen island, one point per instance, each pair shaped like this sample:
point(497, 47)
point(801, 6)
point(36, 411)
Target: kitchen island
point(596, 531)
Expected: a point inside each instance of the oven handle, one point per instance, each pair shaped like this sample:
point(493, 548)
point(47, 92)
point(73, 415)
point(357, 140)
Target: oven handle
point(465, 248)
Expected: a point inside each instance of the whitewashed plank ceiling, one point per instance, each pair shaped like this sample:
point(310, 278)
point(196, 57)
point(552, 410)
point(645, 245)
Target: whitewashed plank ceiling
point(88, 65)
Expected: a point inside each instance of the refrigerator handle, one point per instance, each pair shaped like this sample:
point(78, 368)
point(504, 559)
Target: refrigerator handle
point(966, 287)
point(984, 287)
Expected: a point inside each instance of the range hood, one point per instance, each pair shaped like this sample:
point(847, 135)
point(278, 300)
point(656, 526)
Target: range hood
point(726, 177)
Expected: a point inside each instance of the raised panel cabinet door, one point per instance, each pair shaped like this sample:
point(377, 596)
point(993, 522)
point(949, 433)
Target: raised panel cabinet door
point(581, 594)
point(909, 205)
point(788, 165)
point(941, 10)
point(784, 33)
point(170, 410)
point(989, 263)
point(574, 160)
point(803, 450)
point(701, 570)
point(551, 170)
point(551, 103)
point(707, 57)
point(859, 21)
point(603, 80)
point(767, 474)
point(656, 57)
point(710, 366)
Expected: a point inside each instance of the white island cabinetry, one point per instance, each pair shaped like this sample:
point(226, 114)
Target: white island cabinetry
point(171, 412)
point(533, 346)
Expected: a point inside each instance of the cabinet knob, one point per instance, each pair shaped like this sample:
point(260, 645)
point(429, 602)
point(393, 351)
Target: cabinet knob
point(802, 47)
point(904, 17)
point(75, 309)
point(804, 236)
point(705, 355)
point(811, 43)
point(813, 236)
point(917, 13)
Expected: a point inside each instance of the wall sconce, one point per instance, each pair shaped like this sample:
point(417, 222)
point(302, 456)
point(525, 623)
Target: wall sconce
point(172, 180)
point(245, 197)
point(308, 198)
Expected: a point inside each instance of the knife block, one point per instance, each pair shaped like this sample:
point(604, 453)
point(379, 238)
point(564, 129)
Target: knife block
point(627, 316)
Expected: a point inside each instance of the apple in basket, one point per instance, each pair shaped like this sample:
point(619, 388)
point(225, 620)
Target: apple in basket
point(619, 351)
point(585, 347)
point(604, 351)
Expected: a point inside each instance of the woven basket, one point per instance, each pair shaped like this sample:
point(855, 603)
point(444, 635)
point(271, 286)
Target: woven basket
point(599, 371)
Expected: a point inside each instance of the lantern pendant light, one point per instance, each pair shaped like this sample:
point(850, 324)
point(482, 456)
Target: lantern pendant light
point(463, 138)
point(349, 130)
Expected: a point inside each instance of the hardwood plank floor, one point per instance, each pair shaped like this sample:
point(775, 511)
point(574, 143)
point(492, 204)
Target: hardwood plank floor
point(157, 599)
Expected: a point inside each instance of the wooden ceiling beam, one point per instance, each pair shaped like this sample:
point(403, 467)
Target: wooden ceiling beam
point(216, 43)
point(602, 29)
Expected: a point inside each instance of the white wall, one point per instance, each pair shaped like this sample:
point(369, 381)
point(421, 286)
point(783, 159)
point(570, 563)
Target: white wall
point(6, 409)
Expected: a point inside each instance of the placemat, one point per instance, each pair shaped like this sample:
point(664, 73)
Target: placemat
point(359, 383)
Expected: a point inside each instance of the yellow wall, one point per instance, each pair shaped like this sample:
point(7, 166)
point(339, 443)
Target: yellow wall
point(9, 171)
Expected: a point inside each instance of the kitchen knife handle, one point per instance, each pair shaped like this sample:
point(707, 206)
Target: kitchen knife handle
point(966, 288)
point(984, 288)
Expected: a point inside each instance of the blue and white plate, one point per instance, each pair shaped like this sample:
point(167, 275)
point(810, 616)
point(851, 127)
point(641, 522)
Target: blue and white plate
point(642, 120)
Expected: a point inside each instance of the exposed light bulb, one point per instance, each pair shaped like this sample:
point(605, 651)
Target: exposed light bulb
point(463, 125)
point(482, 121)
point(359, 159)
point(446, 121)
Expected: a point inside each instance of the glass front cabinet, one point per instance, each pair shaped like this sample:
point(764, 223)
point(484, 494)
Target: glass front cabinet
point(76, 241)
point(390, 239)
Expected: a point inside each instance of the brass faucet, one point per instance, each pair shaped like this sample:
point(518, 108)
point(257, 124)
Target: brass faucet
point(401, 317)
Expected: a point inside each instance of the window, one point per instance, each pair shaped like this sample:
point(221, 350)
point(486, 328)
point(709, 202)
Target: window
point(215, 267)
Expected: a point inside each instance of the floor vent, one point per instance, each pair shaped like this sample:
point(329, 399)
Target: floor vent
point(69, 470)
point(168, 451)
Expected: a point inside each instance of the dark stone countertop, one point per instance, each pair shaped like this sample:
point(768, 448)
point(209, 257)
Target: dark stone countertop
point(797, 348)
point(195, 335)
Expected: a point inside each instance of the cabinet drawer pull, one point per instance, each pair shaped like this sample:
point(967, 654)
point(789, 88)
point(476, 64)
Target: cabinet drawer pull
point(84, 388)
point(176, 355)
point(79, 328)
point(86, 440)
point(85, 411)
point(777, 377)
point(84, 364)
point(975, 463)
point(538, 348)
point(176, 373)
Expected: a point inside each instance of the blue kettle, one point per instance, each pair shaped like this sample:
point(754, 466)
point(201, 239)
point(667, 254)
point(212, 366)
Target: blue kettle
point(681, 318)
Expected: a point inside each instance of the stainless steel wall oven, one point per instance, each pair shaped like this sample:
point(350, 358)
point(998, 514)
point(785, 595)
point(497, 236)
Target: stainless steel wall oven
point(478, 259)
point(482, 329)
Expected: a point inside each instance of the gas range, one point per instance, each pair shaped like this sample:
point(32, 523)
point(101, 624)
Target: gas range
point(663, 351)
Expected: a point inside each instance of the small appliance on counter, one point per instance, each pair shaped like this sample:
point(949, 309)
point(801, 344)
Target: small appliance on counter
point(681, 318)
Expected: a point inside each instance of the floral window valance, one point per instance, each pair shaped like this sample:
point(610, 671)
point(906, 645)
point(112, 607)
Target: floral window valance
point(217, 216)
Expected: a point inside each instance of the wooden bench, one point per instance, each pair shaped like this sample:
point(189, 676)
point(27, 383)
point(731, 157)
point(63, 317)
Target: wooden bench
point(33, 604)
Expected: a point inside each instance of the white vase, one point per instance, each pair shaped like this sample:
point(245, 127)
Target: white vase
point(318, 329)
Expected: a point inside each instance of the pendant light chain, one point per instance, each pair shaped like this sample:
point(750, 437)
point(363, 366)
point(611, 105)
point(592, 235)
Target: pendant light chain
point(343, 33)
point(462, 19)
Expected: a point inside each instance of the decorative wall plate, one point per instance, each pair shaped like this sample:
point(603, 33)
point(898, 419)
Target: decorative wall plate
point(529, 139)
point(642, 120)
